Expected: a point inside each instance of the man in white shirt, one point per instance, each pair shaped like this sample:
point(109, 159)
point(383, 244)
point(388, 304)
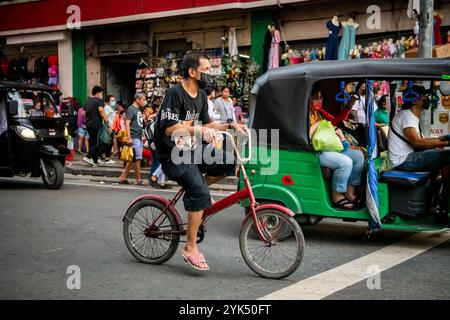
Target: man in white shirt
point(110, 112)
point(358, 113)
point(405, 138)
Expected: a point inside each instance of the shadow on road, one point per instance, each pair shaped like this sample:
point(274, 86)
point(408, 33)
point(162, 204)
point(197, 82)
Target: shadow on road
point(350, 234)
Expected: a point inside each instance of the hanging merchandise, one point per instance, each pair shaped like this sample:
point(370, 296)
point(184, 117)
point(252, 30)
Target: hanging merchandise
point(437, 28)
point(4, 66)
point(267, 45)
point(232, 44)
point(416, 28)
point(274, 60)
point(334, 27)
point(53, 75)
point(160, 75)
point(348, 38)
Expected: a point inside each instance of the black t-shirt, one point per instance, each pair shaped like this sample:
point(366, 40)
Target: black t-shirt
point(137, 123)
point(178, 107)
point(93, 118)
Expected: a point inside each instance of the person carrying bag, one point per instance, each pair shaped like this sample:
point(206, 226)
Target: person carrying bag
point(325, 138)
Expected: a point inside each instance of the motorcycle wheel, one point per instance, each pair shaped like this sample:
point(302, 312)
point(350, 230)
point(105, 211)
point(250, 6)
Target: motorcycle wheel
point(55, 174)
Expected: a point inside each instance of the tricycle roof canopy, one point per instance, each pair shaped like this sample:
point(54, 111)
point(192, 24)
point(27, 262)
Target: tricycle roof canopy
point(280, 97)
point(24, 86)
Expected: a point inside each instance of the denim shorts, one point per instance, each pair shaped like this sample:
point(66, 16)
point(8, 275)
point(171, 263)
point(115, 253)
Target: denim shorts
point(138, 149)
point(190, 177)
point(428, 160)
point(82, 132)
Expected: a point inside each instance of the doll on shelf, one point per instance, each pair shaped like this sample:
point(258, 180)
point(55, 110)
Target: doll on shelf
point(386, 50)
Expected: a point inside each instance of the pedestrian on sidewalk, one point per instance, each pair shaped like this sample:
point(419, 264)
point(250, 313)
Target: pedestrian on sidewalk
point(110, 111)
point(83, 134)
point(224, 106)
point(118, 124)
point(95, 114)
point(158, 178)
point(135, 128)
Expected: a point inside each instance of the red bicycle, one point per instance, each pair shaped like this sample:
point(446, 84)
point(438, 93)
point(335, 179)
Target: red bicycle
point(271, 241)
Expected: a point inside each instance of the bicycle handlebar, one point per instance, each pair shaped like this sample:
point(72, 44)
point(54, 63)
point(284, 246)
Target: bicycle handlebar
point(249, 142)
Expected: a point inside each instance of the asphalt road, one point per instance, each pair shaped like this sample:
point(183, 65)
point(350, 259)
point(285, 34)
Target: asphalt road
point(43, 232)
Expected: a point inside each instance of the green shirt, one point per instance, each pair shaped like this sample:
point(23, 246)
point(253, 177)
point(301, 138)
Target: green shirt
point(381, 116)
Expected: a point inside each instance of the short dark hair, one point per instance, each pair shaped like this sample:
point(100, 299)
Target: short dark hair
point(191, 60)
point(225, 87)
point(96, 89)
point(381, 101)
point(209, 90)
point(109, 96)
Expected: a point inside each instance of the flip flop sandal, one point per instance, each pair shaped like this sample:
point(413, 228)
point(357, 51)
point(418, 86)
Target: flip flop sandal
point(359, 203)
point(344, 204)
point(194, 259)
point(124, 181)
point(142, 183)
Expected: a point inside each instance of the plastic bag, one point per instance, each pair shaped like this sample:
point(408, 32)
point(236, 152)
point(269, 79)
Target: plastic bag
point(104, 136)
point(127, 154)
point(122, 137)
point(325, 138)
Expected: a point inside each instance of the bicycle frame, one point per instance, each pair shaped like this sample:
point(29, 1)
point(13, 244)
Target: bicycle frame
point(241, 195)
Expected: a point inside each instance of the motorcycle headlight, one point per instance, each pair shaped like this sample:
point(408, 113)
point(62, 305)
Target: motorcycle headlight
point(26, 133)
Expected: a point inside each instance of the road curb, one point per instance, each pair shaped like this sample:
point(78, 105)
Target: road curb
point(115, 172)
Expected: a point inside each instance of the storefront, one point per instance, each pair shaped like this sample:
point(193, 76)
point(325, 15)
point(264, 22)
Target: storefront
point(147, 57)
point(34, 58)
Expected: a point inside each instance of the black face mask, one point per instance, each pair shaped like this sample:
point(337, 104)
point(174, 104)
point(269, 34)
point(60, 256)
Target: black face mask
point(205, 81)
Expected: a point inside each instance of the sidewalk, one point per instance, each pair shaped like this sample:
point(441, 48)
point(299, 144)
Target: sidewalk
point(111, 172)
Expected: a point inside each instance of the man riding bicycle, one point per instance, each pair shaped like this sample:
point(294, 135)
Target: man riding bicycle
point(182, 124)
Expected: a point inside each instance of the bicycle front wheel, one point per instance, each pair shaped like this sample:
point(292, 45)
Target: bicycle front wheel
point(147, 231)
point(283, 255)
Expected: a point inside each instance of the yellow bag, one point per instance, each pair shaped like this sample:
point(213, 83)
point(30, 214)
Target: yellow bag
point(127, 154)
point(122, 136)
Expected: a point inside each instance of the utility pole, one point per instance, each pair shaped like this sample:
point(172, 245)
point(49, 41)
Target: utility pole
point(426, 29)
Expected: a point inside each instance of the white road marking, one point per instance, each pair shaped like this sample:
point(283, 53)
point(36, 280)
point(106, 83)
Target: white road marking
point(326, 283)
point(53, 250)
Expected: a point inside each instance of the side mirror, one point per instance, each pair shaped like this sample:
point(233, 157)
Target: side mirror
point(444, 87)
point(13, 107)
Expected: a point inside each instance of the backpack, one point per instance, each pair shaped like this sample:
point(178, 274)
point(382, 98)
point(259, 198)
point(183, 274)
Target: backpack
point(52, 60)
point(21, 67)
point(4, 66)
point(41, 67)
point(149, 132)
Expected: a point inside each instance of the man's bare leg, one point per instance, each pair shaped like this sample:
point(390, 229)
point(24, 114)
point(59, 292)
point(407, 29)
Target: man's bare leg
point(194, 221)
point(126, 171)
point(137, 170)
point(211, 180)
point(351, 193)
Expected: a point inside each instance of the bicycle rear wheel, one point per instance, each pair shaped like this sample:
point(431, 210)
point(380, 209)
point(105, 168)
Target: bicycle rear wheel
point(150, 248)
point(283, 255)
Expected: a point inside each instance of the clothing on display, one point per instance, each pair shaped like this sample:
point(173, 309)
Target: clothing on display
point(348, 39)
point(437, 29)
point(266, 48)
point(331, 52)
point(232, 44)
point(274, 53)
point(34, 70)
